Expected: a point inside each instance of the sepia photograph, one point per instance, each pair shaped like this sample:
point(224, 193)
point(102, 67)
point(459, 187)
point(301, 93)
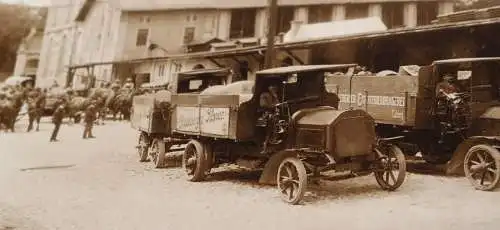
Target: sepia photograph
point(249, 114)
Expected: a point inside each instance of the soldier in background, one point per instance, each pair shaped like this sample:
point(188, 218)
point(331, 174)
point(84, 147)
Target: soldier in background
point(90, 117)
point(128, 84)
point(116, 85)
point(57, 118)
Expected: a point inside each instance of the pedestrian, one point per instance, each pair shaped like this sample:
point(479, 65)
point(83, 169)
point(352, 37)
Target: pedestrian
point(90, 117)
point(57, 118)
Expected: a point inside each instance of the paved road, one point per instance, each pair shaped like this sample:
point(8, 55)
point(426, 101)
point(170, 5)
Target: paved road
point(98, 184)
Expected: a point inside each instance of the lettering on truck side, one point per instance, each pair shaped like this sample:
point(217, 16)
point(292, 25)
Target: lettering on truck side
point(361, 99)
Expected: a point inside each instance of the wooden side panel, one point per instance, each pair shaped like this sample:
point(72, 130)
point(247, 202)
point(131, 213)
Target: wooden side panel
point(143, 107)
point(206, 115)
point(219, 115)
point(389, 99)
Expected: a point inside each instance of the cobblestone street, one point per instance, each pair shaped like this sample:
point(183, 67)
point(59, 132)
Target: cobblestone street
point(99, 184)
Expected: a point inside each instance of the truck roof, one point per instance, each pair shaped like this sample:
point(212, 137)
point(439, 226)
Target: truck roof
point(206, 71)
point(303, 68)
point(462, 60)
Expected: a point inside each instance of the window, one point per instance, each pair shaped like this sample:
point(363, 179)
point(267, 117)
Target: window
point(354, 11)
point(285, 16)
point(320, 13)
point(209, 23)
point(161, 70)
point(177, 67)
point(464, 74)
point(33, 63)
point(242, 23)
point(392, 15)
point(142, 37)
point(426, 12)
point(188, 34)
point(195, 84)
point(145, 19)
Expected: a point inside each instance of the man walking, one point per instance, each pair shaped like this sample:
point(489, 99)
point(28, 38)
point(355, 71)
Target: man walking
point(90, 117)
point(57, 118)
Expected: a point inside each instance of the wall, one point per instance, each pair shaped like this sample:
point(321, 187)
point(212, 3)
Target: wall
point(96, 38)
point(165, 29)
point(58, 36)
point(67, 42)
point(28, 50)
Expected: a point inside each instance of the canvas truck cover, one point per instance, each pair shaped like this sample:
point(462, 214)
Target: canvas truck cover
point(388, 99)
point(206, 115)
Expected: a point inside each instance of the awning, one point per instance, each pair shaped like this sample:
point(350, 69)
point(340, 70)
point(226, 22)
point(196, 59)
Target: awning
point(16, 80)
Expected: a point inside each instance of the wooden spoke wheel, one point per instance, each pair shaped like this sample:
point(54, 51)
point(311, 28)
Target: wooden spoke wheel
point(391, 172)
point(142, 148)
point(195, 161)
point(292, 180)
point(157, 153)
point(482, 167)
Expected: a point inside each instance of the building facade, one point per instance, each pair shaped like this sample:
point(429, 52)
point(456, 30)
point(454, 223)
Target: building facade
point(28, 54)
point(76, 32)
point(132, 35)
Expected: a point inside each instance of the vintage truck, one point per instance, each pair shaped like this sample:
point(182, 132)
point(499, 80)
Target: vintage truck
point(296, 139)
point(151, 112)
point(410, 106)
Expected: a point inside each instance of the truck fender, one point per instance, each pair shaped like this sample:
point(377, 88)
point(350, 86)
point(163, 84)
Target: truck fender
point(455, 167)
point(270, 171)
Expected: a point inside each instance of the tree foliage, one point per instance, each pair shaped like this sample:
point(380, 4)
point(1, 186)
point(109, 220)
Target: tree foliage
point(16, 21)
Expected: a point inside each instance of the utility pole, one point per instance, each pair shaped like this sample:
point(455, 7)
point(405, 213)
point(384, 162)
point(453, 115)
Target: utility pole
point(272, 12)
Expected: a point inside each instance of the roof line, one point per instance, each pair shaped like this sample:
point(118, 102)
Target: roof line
point(426, 28)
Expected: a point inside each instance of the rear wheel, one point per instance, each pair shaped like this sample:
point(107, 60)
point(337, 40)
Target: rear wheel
point(142, 148)
point(392, 168)
point(158, 152)
point(292, 180)
point(195, 161)
point(482, 167)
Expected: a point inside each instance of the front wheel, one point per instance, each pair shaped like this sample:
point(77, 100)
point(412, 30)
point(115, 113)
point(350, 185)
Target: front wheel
point(292, 180)
point(391, 172)
point(482, 167)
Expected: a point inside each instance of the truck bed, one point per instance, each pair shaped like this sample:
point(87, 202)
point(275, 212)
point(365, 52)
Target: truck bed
point(389, 99)
point(206, 115)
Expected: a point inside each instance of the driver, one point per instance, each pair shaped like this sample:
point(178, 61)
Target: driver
point(270, 98)
point(447, 115)
point(267, 102)
point(449, 85)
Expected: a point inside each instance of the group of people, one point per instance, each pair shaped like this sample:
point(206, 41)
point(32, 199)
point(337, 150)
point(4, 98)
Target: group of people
point(12, 99)
point(90, 113)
